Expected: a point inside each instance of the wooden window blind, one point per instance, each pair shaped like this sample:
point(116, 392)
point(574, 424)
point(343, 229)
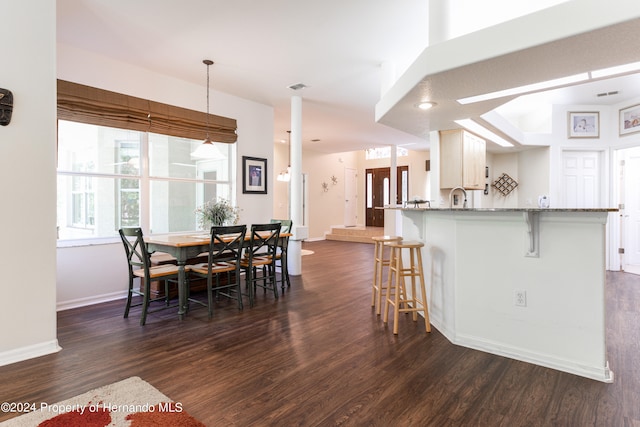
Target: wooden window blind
point(86, 104)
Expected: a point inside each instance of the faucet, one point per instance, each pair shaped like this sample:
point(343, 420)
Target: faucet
point(464, 192)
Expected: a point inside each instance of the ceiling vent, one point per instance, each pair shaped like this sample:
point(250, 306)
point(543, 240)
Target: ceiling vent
point(600, 95)
point(298, 86)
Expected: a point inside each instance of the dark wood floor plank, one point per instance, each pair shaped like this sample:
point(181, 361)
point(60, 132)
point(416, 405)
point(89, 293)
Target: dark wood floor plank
point(320, 356)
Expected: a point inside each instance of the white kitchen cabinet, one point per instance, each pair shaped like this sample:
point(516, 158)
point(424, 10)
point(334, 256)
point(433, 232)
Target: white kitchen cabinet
point(462, 160)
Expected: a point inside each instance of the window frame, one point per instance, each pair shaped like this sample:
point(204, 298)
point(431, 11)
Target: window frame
point(144, 189)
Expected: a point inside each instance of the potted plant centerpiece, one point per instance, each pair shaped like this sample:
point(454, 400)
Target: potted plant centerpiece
point(217, 212)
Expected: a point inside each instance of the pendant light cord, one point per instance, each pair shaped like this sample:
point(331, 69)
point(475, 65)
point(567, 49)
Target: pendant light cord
point(208, 63)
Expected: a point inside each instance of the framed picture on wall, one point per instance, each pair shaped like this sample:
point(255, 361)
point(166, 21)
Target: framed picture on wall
point(630, 120)
point(584, 124)
point(254, 175)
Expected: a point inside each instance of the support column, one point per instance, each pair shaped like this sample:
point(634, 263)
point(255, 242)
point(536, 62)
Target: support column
point(439, 21)
point(300, 230)
point(393, 176)
point(392, 217)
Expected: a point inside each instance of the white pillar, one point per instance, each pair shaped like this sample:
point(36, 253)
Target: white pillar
point(439, 21)
point(393, 176)
point(388, 77)
point(299, 230)
point(393, 218)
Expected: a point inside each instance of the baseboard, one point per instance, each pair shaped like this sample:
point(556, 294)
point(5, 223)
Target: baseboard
point(96, 299)
point(599, 373)
point(29, 352)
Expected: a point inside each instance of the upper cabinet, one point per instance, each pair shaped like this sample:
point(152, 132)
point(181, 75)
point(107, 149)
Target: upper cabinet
point(462, 160)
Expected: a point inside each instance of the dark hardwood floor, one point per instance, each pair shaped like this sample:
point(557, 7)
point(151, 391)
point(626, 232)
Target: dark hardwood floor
point(319, 356)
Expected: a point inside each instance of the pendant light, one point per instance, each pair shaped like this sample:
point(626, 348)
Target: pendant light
point(285, 175)
point(207, 150)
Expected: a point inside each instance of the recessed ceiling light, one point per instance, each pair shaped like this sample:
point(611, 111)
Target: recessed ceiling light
point(425, 105)
point(527, 88)
point(620, 69)
point(482, 131)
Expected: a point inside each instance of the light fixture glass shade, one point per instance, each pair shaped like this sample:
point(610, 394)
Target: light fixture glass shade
point(284, 176)
point(207, 151)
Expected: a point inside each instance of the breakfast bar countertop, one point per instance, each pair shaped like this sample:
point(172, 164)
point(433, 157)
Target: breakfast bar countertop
point(531, 209)
point(524, 283)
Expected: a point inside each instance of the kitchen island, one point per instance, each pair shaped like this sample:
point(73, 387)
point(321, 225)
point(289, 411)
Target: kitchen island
point(522, 283)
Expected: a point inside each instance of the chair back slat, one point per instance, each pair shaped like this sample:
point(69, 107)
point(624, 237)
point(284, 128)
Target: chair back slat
point(285, 225)
point(135, 249)
point(227, 243)
point(263, 240)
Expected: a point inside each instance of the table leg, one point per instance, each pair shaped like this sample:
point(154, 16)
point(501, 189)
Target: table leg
point(182, 290)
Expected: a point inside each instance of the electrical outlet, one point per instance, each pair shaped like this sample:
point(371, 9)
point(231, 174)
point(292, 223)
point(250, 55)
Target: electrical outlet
point(520, 298)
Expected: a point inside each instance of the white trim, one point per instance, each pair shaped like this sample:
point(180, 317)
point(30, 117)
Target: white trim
point(599, 373)
point(29, 352)
point(97, 299)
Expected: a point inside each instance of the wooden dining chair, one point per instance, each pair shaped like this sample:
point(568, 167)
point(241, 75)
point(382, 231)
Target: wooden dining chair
point(225, 253)
point(260, 251)
point(139, 266)
point(286, 225)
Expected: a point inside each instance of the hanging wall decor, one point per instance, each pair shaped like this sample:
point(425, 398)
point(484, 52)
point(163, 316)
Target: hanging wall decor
point(6, 106)
point(505, 184)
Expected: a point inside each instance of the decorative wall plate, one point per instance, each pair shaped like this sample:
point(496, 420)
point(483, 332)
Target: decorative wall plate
point(6, 106)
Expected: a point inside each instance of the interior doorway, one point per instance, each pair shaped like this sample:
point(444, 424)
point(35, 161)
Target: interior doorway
point(377, 188)
point(629, 203)
point(350, 197)
point(581, 179)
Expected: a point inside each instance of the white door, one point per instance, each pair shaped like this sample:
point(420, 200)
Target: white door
point(581, 183)
point(631, 219)
point(350, 197)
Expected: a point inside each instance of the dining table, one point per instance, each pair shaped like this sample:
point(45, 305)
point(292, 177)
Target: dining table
point(184, 247)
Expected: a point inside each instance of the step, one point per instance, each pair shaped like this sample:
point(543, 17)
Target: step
point(354, 234)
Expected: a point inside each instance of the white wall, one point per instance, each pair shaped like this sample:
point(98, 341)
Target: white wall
point(475, 261)
point(418, 176)
point(533, 173)
point(28, 256)
point(326, 209)
point(77, 283)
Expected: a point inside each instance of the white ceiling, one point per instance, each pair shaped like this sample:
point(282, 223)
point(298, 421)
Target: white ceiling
point(335, 47)
point(487, 61)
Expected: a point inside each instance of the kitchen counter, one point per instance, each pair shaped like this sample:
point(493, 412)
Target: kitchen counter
point(524, 283)
point(506, 209)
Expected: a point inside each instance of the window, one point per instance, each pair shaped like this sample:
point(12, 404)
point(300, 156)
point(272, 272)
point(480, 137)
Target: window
point(384, 153)
point(110, 178)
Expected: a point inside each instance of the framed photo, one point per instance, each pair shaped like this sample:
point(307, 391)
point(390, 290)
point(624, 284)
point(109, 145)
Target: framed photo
point(584, 124)
point(254, 175)
point(630, 120)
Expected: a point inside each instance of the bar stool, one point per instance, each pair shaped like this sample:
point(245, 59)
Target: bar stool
point(397, 293)
point(379, 261)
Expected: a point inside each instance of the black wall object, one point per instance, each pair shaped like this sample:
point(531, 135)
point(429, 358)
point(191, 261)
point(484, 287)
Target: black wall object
point(6, 106)
point(427, 165)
